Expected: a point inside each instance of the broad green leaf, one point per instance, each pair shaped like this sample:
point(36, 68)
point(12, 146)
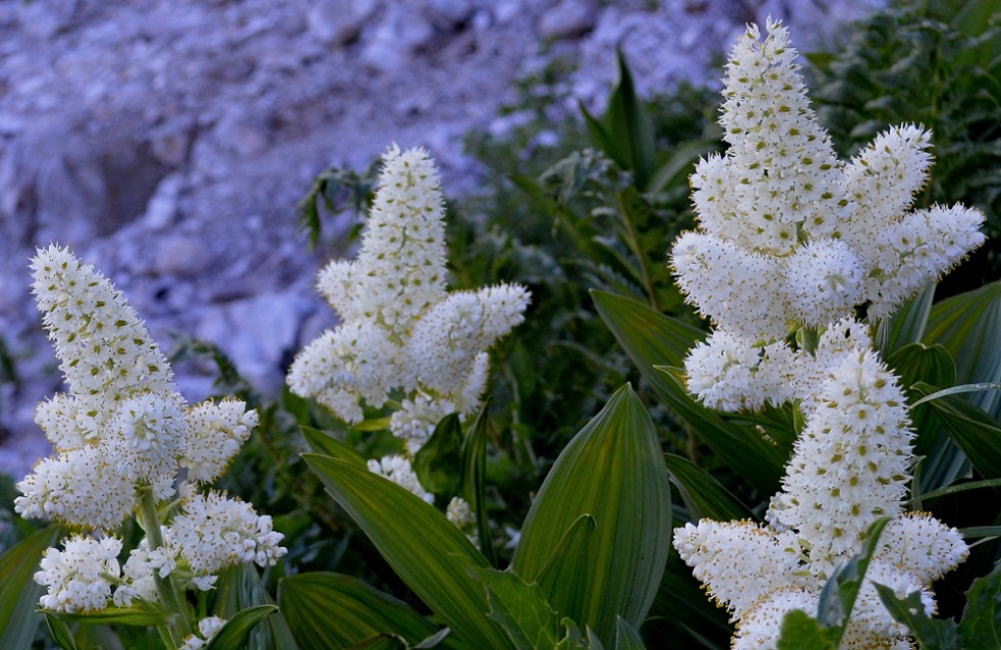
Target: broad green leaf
point(19, 593)
point(418, 542)
point(981, 624)
point(322, 442)
point(800, 631)
point(837, 599)
point(233, 635)
point(907, 324)
point(969, 326)
point(60, 632)
point(629, 127)
point(626, 636)
point(329, 609)
point(520, 609)
point(241, 587)
point(703, 495)
point(144, 615)
point(565, 576)
point(380, 642)
point(652, 339)
point(611, 470)
point(930, 633)
point(473, 488)
point(438, 463)
point(975, 431)
point(915, 363)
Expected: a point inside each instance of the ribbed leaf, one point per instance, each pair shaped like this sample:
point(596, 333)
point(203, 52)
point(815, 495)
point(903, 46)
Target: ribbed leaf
point(438, 463)
point(473, 487)
point(917, 363)
point(233, 635)
point(703, 495)
point(145, 615)
point(565, 577)
point(519, 608)
point(60, 632)
point(626, 636)
point(932, 634)
point(975, 431)
point(332, 610)
point(652, 339)
point(837, 599)
point(323, 443)
point(611, 470)
point(969, 326)
point(907, 324)
point(19, 594)
point(629, 127)
point(418, 542)
point(241, 587)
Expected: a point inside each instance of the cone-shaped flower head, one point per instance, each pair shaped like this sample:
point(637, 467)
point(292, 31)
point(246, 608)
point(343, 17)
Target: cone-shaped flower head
point(788, 234)
point(849, 467)
point(400, 330)
point(122, 423)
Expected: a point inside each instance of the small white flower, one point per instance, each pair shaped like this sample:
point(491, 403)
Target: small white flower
point(216, 431)
point(79, 577)
point(207, 629)
point(214, 531)
point(397, 469)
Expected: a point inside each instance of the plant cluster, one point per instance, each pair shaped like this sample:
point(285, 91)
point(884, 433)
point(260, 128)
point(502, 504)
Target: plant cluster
point(435, 477)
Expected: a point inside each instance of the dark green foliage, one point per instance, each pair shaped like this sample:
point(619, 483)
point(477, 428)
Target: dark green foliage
point(936, 63)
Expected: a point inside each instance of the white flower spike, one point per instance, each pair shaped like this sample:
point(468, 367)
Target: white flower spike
point(791, 236)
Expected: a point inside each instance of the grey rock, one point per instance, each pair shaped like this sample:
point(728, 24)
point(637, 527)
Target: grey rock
point(339, 21)
point(569, 18)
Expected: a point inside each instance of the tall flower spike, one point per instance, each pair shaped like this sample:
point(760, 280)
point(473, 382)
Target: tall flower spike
point(851, 463)
point(789, 236)
point(849, 467)
point(122, 424)
point(400, 330)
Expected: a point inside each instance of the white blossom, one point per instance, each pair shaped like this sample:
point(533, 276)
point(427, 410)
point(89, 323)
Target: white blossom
point(216, 431)
point(81, 488)
point(851, 463)
point(214, 531)
point(739, 562)
point(790, 236)
point(417, 418)
point(732, 373)
point(460, 514)
point(849, 467)
point(397, 468)
point(79, 577)
point(207, 628)
point(400, 331)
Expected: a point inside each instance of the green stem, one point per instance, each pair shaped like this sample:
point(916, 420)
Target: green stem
point(178, 625)
point(633, 241)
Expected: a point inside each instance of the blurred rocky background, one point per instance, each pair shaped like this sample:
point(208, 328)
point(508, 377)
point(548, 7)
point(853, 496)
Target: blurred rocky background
point(169, 141)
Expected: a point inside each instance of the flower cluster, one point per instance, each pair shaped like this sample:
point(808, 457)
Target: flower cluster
point(789, 236)
point(207, 628)
point(120, 432)
point(401, 331)
point(849, 467)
